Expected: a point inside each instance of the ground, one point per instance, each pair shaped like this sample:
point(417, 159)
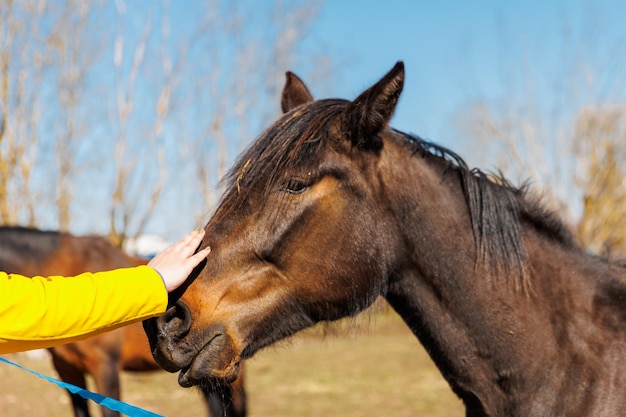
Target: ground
point(371, 366)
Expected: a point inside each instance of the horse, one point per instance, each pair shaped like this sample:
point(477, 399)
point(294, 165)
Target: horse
point(330, 207)
point(32, 252)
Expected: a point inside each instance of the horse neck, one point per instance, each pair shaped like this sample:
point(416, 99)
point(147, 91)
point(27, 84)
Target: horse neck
point(432, 221)
point(483, 335)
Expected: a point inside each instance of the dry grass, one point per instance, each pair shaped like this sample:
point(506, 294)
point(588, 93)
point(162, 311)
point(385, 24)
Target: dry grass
point(372, 366)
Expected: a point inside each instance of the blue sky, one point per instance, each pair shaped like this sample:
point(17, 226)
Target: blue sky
point(455, 51)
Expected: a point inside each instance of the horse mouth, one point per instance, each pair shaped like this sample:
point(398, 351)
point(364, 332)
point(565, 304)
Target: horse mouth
point(212, 365)
point(196, 374)
point(185, 380)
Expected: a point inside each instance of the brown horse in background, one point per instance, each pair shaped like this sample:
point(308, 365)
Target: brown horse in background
point(32, 252)
point(331, 208)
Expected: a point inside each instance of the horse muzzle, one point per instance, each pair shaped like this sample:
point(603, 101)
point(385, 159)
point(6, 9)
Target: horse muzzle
point(201, 355)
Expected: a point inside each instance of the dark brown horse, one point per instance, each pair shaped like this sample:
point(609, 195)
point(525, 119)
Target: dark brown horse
point(33, 252)
point(331, 208)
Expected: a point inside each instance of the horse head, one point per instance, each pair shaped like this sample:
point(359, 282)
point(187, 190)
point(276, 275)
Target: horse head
point(298, 237)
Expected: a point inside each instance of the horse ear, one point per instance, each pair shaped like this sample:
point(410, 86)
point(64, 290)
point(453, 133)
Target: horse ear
point(295, 93)
point(370, 112)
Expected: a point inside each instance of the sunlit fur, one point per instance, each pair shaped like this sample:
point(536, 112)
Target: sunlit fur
point(331, 208)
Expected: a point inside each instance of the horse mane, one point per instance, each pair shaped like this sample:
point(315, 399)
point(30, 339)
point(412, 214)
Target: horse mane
point(497, 210)
point(18, 242)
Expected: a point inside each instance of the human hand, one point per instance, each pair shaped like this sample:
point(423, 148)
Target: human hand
point(176, 262)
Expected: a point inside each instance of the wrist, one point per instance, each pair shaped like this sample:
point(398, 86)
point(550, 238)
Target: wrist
point(162, 279)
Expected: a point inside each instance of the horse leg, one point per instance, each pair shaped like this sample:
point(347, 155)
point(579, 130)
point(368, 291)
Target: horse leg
point(74, 376)
point(107, 379)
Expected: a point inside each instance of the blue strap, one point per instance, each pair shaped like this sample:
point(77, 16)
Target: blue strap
point(110, 403)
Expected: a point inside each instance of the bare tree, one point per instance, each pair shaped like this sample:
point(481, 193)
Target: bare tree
point(104, 117)
point(69, 57)
point(132, 157)
point(22, 63)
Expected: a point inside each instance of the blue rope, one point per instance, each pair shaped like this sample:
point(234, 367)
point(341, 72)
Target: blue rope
point(110, 403)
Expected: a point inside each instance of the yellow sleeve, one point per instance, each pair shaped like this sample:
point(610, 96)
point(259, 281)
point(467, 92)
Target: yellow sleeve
point(43, 312)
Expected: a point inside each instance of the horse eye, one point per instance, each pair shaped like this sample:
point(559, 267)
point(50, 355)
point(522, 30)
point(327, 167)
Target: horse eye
point(295, 186)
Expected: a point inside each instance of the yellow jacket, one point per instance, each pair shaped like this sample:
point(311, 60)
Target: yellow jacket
point(43, 312)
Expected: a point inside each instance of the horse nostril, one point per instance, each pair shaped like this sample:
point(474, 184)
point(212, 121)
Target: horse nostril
point(176, 321)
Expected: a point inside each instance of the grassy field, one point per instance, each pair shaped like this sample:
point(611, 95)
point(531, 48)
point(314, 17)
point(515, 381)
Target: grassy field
point(371, 366)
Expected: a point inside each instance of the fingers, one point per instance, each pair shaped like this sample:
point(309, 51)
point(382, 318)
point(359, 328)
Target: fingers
point(175, 263)
point(192, 240)
point(190, 243)
point(198, 257)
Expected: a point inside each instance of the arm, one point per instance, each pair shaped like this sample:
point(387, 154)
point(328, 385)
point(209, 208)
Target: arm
point(43, 312)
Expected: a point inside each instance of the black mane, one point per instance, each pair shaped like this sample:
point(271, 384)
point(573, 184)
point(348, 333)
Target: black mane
point(531, 209)
point(497, 209)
